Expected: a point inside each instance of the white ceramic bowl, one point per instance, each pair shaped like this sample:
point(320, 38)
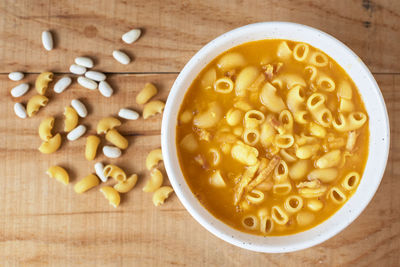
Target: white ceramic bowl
point(378, 144)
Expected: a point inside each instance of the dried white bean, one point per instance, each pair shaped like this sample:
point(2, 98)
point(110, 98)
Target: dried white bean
point(16, 76)
point(20, 90)
point(87, 83)
point(62, 84)
point(131, 36)
point(47, 40)
point(121, 57)
point(128, 114)
point(99, 167)
point(95, 75)
point(19, 110)
point(79, 108)
point(77, 69)
point(111, 152)
point(76, 133)
point(105, 89)
point(86, 62)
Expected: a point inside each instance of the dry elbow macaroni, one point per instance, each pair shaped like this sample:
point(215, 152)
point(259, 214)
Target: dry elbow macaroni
point(152, 108)
point(51, 145)
point(92, 143)
point(59, 173)
point(153, 158)
point(70, 119)
point(42, 82)
point(146, 94)
point(45, 128)
point(35, 103)
point(86, 183)
point(106, 124)
point(111, 195)
point(161, 194)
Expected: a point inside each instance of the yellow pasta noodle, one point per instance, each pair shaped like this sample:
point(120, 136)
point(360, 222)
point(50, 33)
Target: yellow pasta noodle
point(115, 172)
point(207, 82)
point(86, 183)
point(148, 91)
point(155, 182)
point(231, 61)
point(70, 119)
point(111, 195)
point(318, 59)
point(92, 143)
point(300, 51)
point(250, 222)
point(35, 103)
point(351, 180)
point(106, 124)
point(42, 82)
point(59, 173)
point(161, 194)
point(51, 145)
point(270, 99)
point(45, 127)
point(245, 78)
point(114, 137)
point(153, 158)
point(127, 185)
point(152, 108)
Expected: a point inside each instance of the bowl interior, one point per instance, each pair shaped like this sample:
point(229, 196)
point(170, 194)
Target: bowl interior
point(378, 125)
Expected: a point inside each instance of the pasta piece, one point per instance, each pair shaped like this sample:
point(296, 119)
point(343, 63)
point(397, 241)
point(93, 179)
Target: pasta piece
point(161, 194)
point(317, 130)
point(51, 145)
point(304, 218)
point(279, 216)
point(255, 196)
point(45, 127)
point(115, 138)
point(351, 140)
point(238, 131)
point(351, 181)
point(250, 222)
point(92, 143)
point(217, 180)
point(86, 183)
point(312, 72)
point(270, 99)
point(315, 204)
point(152, 108)
point(70, 119)
point(337, 196)
point(59, 173)
point(353, 121)
point(282, 189)
point(115, 172)
point(299, 169)
point(267, 134)
point(223, 85)
point(148, 91)
point(245, 78)
point(42, 82)
point(111, 195)
point(318, 59)
point(293, 204)
point(35, 103)
point(210, 117)
point(244, 153)
point(286, 122)
point(253, 118)
point(242, 105)
point(251, 136)
point(284, 140)
point(346, 106)
point(281, 172)
point(324, 175)
point(316, 105)
point(329, 159)
point(255, 86)
point(300, 51)
point(127, 185)
point(288, 81)
point(106, 124)
point(231, 61)
point(295, 99)
point(325, 83)
point(153, 158)
point(209, 77)
point(266, 224)
point(189, 143)
point(284, 52)
point(287, 156)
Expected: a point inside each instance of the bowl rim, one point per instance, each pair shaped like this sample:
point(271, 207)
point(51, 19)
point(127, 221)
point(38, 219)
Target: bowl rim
point(211, 223)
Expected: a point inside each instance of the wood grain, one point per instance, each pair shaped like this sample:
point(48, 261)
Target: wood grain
point(43, 223)
point(174, 31)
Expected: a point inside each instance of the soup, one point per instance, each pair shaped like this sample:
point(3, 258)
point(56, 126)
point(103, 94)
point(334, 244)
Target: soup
point(272, 137)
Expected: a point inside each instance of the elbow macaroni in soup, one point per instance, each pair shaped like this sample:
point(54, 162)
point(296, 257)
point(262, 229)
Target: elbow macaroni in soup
point(272, 137)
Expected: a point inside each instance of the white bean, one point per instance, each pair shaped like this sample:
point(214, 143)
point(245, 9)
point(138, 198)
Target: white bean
point(111, 152)
point(19, 110)
point(131, 36)
point(87, 83)
point(76, 133)
point(95, 75)
point(128, 114)
point(62, 84)
point(121, 57)
point(86, 62)
point(20, 90)
point(77, 69)
point(47, 40)
point(79, 108)
point(16, 76)
point(99, 167)
point(105, 89)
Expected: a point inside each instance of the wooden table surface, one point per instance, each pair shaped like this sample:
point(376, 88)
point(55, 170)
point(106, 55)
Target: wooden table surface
point(45, 223)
